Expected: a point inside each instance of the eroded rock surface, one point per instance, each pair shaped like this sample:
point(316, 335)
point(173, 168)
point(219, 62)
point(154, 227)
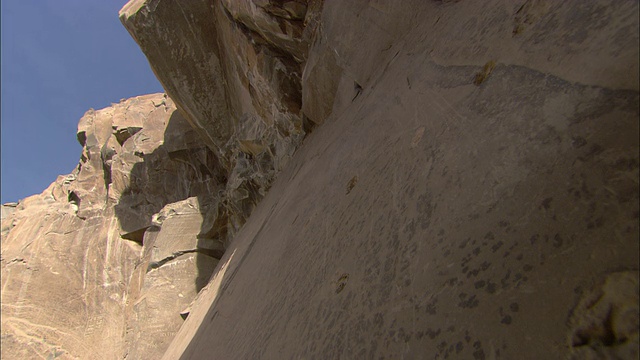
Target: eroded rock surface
point(472, 191)
point(476, 176)
point(244, 60)
point(77, 281)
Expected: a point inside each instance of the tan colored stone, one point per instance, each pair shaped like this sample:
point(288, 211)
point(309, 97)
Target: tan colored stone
point(73, 283)
point(482, 212)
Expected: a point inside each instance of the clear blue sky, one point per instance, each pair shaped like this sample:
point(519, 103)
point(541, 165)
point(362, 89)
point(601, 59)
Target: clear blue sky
point(59, 58)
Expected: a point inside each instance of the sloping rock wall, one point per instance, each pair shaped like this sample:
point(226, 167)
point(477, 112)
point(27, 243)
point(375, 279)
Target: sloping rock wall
point(473, 195)
point(472, 191)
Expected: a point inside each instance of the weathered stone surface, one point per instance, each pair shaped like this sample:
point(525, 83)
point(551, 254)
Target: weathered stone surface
point(73, 285)
point(605, 322)
point(176, 263)
point(255, 53)
point(180, 41)
point(472, 193)
point(484, 178)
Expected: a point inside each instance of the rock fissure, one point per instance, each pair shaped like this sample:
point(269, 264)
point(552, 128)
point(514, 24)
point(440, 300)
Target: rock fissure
point(157, 264)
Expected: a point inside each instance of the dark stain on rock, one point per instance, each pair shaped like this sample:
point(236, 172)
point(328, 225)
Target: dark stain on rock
point(557, 241)
point(497, 246)
point(578, 141)
point(432, 307)
point(478, 354)
point(514, 307)
point(546, 203)
point(352, 183)
point(491, 287)
point(473, 273)
point(432, 334)
point(594, 151)
point(506, 320)
point(479, 284)
point(483, 74)
point(425, 209)
point(469, 303)
point(597, 223)
point(441, 346)
point(534, 238)
point(342, 282)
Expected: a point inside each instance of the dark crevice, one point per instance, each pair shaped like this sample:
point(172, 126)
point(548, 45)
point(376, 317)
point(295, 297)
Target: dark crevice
point(307, 125)
point(74, 199)
point(82, 138)
point(123, 135)
point(106, 174)
point(137, 235)
point(177, 254)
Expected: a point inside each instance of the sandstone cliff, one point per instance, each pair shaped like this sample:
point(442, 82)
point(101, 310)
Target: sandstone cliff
point(471, 191)
point(77, 281)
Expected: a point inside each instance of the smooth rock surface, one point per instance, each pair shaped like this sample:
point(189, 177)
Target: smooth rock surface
point(478, 185)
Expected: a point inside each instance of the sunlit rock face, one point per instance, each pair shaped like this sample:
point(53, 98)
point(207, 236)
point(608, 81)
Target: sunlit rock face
point(81, 276)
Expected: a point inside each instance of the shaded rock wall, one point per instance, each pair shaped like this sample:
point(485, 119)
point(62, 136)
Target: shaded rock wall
point(473, 195)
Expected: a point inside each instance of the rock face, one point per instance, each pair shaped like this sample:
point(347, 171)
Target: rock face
point(472, 191)
point(87, 271)
point(234, 69)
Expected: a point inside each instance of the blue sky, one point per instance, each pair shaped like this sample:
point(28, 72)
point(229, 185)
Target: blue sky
point(59, 59)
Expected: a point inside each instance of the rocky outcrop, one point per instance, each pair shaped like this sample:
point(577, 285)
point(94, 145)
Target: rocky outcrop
point(245, 61)
point(87, 270)
point(472, 194)
point(472, 191)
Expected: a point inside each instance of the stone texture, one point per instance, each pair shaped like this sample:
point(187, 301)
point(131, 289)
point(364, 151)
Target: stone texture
point(180, 41)
point(472, 191)
point(164, 282)
point(469, 197)
point(74, 285)
point(255, 52)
